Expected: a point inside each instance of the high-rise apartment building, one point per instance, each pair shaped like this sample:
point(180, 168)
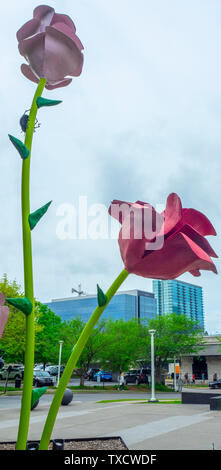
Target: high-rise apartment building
point(179, 297)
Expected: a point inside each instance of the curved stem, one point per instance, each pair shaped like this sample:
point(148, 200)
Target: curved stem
point(28, 278)
point(71, 364)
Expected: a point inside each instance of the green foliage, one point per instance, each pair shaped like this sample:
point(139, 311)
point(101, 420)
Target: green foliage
point(47, 339)
point(12, 343)
point(175, 335)
point(123, 344)
point(94, 347)
point(116, 345)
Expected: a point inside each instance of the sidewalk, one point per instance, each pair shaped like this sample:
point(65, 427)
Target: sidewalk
point(143, 426)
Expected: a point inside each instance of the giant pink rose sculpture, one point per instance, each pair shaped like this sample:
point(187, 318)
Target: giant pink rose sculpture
point(181, 232)
point(50, 45)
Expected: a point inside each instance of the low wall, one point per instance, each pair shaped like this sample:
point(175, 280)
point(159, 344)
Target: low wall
point(198, 398)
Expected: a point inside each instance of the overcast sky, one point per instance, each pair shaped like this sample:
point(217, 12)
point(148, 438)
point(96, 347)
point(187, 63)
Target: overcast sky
point(142, 120)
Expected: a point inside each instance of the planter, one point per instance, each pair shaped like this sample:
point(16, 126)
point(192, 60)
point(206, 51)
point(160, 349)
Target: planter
point(90, 443)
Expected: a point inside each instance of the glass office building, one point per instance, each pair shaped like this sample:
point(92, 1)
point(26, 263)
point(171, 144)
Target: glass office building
point(179, 297)
point(125, 305)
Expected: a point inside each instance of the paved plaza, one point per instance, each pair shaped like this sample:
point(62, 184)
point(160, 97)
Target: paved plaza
point(143, 426)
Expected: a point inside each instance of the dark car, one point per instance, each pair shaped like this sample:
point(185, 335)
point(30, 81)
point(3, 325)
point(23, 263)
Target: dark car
point(215, 384)
point(42, 378)
point(103, 376)
point(90, 373)
point(137, 376)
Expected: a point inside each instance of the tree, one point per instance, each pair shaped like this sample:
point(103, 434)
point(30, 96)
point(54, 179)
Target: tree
point(50, 332)
point(12, 343)
point(175, 335)
point(92, 350)
point(123, 344)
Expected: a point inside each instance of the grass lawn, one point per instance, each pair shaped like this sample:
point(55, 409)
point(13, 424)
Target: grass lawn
point(128, 388)
point(168, 402)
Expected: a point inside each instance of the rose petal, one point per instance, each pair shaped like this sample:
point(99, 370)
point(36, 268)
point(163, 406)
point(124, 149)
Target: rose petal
point(45, 14)
point(28, 29)
point(70, 33)
point(198, 221)
point(4, 314)
point(62, 57)
point(131, 249)
point(199, 240)
point(61, 18)
point(195, 272)
point(172, 213)
point(2, 298)
point(116, 211)
point(33, 49)
point(27, 72)
point(178, 255)
point(59, 84)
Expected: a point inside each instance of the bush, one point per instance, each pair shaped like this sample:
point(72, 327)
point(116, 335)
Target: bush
point(162, 388)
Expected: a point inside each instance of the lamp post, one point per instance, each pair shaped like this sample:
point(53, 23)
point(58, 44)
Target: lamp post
point(153, 398)
point(59, 361)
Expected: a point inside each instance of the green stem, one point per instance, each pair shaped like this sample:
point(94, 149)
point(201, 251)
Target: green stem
point(71, 364)
point(28, 278)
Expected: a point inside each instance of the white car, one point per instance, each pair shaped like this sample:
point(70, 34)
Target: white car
point(16, 372)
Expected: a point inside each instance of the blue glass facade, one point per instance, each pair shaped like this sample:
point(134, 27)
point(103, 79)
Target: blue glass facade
point(179, 297)
point(124, 305)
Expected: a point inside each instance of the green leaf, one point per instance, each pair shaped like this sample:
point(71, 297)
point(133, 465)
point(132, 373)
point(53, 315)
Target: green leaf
point(36, 394)
point(20, 147)
point(21, 303)
point(101, 297)
point(37, 215)
point(44, 102)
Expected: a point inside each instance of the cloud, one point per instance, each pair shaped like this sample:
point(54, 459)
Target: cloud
point(143, 120)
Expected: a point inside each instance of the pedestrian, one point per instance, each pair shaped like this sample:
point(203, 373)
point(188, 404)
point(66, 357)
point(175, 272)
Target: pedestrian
point(122, 381)
point(193, 378)
point(203, 377)
point(186, 378)
point(180, 383)
point(215, 377)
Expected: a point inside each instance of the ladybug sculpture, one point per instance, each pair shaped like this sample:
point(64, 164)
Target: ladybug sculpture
point(24, 121)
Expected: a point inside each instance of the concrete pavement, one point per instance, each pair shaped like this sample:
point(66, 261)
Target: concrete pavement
point(143, 426)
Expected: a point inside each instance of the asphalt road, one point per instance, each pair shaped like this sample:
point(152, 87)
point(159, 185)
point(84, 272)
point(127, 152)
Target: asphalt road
point(7, 402)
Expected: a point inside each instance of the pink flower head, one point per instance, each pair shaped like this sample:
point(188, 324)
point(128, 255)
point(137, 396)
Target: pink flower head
point(163, 245)
point(4, 313)
point(50, 45)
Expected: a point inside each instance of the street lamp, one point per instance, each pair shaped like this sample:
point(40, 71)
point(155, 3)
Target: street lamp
point(59, 361)
point(153, 398)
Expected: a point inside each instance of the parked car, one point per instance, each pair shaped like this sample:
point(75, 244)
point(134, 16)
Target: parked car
point(39, 367)
point(53, 370)
point(90, 373)
point(42, 378)
point(105, 376)
point(15, 372)
point(137, 376)
point(215, 384)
